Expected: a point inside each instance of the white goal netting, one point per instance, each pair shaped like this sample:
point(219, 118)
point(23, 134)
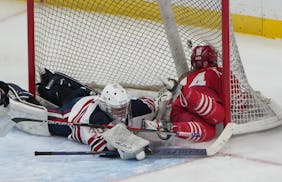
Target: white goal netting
point(125, 41)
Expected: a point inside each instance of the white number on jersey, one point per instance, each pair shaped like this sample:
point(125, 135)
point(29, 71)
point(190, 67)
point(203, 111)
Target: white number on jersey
point(199, 80)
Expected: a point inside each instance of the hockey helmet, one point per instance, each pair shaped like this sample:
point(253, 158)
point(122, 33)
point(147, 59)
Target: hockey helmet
point(203, 56)
point(115, 101)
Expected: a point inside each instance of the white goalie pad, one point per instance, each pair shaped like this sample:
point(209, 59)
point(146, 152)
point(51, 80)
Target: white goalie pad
point(128, 144)
point(29, 118)
point(35, 128)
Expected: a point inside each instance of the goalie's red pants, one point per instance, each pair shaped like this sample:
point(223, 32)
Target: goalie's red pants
point(200, 115)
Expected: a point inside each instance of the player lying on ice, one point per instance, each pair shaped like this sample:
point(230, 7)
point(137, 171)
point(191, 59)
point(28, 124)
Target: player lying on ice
point(196, 107)
point(77, 106)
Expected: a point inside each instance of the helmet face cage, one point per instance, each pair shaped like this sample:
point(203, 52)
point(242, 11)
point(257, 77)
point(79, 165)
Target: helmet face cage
point(114, 100)
point(119, 113)
point(203, 56)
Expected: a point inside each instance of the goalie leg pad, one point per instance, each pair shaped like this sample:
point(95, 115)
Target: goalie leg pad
point(35, 128)
point(128, 145)
point(29, 118)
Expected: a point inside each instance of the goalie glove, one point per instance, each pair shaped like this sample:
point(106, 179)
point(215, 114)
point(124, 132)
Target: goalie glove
point(163, 105)
point(170, 84)
point(4, 98)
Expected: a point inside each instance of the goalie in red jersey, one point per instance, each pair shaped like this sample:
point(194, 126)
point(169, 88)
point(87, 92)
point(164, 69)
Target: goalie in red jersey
point(198, 106)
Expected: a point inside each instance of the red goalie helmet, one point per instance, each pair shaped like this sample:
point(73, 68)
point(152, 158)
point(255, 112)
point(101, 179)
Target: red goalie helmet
point(202, 56)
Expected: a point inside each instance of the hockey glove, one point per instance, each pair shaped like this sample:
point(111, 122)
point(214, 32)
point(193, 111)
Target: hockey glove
point(170, 84)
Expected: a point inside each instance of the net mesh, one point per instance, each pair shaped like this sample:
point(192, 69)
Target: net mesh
point(124, 41)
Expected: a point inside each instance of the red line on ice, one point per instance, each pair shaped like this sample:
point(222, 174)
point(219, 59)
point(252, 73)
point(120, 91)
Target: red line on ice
point(273, 163)
point(12, 16)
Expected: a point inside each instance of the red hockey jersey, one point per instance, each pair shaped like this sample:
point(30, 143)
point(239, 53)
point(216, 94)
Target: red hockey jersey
point(207, 81)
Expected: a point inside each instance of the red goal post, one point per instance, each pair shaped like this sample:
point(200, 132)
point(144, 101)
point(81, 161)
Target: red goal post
point(136, 42)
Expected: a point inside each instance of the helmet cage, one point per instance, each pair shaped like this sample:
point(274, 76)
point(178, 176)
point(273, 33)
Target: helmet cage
point(117, 112)
point(203, 56)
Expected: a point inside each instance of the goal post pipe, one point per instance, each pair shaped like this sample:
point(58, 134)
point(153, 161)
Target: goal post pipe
point(226, 59)
point(31, 49)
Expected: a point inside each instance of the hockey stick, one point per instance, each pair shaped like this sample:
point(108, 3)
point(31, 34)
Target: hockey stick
point(207, 151)
point(178, 152)
point(173, 151)
point(15, 106)
point(223, 138)
point(103, 126)
point(170, 133)
point(162, 152)
point(211, 150)
point(109, 154)
point(182, 134)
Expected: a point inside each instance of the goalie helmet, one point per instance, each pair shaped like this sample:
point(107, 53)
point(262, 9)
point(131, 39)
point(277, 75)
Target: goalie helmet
point(203, 56)
point(115, 101)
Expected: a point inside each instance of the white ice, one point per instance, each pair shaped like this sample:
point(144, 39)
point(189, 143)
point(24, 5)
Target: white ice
point(246, 158)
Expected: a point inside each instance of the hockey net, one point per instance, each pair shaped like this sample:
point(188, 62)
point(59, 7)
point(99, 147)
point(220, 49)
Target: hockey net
point(131, 42)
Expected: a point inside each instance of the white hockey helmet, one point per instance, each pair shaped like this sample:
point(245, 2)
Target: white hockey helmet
point(115, 101)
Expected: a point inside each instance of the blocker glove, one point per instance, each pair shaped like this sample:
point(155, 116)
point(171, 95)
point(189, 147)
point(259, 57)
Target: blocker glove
point(4, 89)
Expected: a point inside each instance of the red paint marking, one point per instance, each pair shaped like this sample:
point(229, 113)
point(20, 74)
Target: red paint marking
point(273, 163)
point(12, 16)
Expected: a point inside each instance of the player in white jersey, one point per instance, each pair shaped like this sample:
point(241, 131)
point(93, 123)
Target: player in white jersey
point(77, 106)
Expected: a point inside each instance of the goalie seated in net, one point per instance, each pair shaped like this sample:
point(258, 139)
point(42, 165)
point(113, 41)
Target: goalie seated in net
point(76, 105)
